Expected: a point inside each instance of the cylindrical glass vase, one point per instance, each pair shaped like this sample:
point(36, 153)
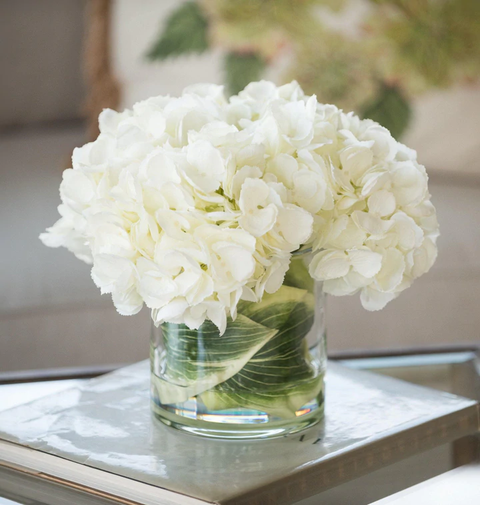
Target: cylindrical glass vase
point(264, 377)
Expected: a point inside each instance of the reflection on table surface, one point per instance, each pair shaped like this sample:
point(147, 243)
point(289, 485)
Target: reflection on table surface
point(12, 395)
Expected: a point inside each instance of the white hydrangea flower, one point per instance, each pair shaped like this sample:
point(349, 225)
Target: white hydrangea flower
point(380, 191)
point(190, 204)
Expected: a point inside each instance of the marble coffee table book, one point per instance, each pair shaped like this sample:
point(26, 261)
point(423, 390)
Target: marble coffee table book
point(103, 439)
point(230, 219)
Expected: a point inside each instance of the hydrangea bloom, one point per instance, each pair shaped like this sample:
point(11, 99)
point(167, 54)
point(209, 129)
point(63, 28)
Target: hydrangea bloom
point(190, 204)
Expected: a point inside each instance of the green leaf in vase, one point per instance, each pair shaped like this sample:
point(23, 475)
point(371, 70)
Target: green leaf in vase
point(274, 309)
point(197, 360)
point(278, 379)
point(297, 275)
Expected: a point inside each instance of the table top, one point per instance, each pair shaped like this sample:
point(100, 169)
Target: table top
point(370, 421)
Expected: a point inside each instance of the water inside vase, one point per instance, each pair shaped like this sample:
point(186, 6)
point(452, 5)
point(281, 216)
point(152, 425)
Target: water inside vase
point(263, 376)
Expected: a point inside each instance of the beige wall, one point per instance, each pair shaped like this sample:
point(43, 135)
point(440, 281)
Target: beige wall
point(40, 60)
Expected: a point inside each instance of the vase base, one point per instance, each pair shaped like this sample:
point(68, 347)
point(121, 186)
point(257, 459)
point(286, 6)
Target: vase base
point(237, 431)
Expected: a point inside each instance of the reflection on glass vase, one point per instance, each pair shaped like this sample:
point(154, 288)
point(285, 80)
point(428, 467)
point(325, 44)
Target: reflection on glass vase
point(264, 377)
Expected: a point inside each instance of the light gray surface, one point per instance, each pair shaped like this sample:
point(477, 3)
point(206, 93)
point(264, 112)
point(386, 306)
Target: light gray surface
point(107, 424)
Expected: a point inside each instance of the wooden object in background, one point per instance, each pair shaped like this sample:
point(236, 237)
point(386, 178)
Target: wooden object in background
point(103, 90)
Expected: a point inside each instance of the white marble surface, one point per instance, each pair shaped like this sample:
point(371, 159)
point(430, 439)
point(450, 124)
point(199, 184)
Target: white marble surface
point(13, 395)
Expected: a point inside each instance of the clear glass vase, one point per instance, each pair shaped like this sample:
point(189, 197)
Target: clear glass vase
point(264, 377)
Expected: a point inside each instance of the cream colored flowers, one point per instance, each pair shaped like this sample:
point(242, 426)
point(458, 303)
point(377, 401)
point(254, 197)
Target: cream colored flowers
point(190, 204)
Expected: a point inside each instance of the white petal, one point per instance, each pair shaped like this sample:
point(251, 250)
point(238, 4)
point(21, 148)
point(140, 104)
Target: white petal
point(195, 318)
point(338, 287)
point(235, 260)
point(372, 299)
point(310, 190)
point(111, 239)
point(260, 222)
point(206, 90)
point(283, 166)
point(371, 224)
point(393, 267)
point(373, 181)
point(276, 275)
point(252, 155)
point(408, 233)
point(254, 194)
point(159, 169)
point(127, 302)
point(385, 146)
point(157, 289)
point(201, 288)
point(382, 203)
point(365, 262)
point(172, 223)
point(356, 160)
point(347, 285)
point(108, 120)
point(256, 220)
point(246, 172)
point(112, 273)
point(295, 120)
point(77, 187)
point(295, 224)
point(424, 257)
point(409, 183)
point(157, 124)
point(177, 197)
point(350, 237)
point(248, 295)
point(205, 158)
point(329, 264)
point(170, 312)
point(217, 314)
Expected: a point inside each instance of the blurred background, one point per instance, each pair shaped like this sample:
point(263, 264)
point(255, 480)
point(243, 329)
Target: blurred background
point(412, 65)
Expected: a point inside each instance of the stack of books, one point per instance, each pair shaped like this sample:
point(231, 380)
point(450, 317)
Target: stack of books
point(100, 441)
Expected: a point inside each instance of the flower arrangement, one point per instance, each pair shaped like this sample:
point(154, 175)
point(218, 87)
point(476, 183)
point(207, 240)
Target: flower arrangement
point(191, 205)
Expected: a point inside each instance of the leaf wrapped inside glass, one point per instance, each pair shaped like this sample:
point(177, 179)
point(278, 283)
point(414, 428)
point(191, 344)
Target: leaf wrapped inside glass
point(261, 363)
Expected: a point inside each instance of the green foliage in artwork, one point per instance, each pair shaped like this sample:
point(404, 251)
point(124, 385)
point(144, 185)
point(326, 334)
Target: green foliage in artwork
point(434, 42)
point(390, 109)
point(241, 69)
point(185, 32)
